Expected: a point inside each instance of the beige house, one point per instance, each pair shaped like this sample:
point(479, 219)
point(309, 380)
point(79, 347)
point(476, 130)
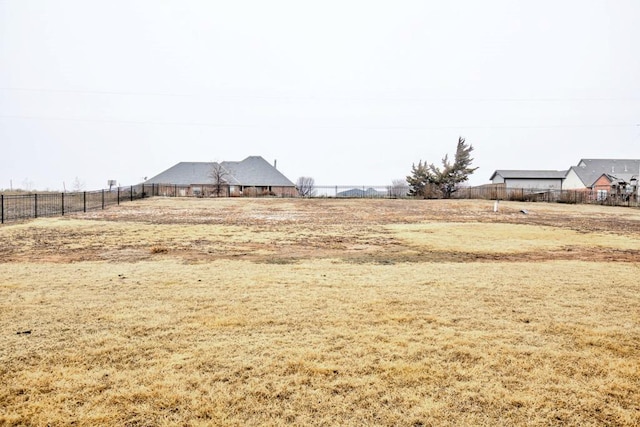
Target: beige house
point(253, 176)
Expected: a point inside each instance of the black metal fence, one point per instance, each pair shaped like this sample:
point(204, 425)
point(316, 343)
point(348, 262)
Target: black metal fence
point(16, 207)
point(338, 191)
point(360, 191)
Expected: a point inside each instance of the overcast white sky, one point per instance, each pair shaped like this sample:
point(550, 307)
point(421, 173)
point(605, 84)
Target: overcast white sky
point(347, 92)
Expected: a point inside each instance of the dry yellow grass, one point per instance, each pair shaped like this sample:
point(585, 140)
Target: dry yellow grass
point(280, 312)
point(506, 238)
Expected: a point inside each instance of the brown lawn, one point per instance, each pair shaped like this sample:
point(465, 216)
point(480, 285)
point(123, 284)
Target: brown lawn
point(322, 312)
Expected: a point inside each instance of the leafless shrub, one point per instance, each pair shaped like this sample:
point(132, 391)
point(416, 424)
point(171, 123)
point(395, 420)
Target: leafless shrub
point(306, 186)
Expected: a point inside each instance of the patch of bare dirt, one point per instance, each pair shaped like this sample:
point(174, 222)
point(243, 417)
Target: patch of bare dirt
point(340, 229)
point(310, 212)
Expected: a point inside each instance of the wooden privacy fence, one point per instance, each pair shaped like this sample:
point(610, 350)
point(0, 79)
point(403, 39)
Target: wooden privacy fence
point(581, 196)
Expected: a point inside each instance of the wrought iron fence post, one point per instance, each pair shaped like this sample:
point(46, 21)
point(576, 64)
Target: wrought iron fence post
point(35, 205)
point(103, 199)
point(84, 201)
point(131, 193)
point(62, 204)
point(118, 195)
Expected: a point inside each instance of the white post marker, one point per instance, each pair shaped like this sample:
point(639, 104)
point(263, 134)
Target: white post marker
point(495, 206)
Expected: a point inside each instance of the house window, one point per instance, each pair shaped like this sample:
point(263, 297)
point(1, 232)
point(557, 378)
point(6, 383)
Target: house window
point(602, 195)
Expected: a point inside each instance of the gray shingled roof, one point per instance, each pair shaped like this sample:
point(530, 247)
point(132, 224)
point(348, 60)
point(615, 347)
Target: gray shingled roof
point(529, 174)
point(256, 171)
point(589, 170)
point(185, 173)
point(252, 171)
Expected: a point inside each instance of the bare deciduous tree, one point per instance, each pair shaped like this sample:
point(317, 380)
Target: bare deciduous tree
point(27, 184)
point(218, 175)
point(78, 185)
point(306, 186)
point(398, 188)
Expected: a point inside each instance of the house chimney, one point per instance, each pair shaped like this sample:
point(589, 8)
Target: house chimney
point(275, 164)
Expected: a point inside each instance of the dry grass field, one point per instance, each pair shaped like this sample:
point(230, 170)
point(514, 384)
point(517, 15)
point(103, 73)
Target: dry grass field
point(322, 312)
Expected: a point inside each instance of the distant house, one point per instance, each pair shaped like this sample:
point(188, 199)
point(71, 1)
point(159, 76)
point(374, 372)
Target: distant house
point(360, 193)
point(252, 176)
point(588, 172)
point(534, 179)
point(605, 177)
point(608, 185)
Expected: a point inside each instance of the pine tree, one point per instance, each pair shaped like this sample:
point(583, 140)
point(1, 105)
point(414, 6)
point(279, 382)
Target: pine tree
point(420, 180)
point(452, 175)
point(425, 176)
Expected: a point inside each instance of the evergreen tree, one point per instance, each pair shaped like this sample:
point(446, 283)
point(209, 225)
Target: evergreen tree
point(425, 177)
point(420, 180)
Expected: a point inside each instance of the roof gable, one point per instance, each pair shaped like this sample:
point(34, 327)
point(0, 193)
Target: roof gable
point(254, 171)
point(590, 170)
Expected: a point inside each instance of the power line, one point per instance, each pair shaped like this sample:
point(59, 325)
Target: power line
point(298, 125)
point(133, 122)
point(321, 98)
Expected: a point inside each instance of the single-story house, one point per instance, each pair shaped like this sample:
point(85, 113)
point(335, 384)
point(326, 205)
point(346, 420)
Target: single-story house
point(532, 179)
point(253, 176)
point(601, 178)
point(361, 193)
